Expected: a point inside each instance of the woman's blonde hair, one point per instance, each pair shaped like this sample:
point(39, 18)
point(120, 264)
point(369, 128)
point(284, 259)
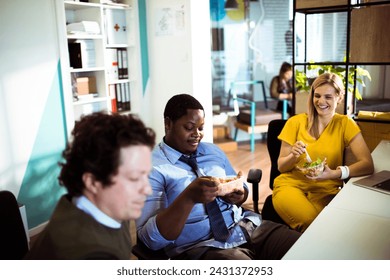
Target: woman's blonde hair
point(324, 79)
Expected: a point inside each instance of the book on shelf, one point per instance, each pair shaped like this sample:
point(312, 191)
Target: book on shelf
point(120, 95)
point(118, 68)
point(114, 101)
point(122, 64)
point(124, 99)
point(82, 54)
point(88, 56)
point(125, 72)
point(74, 55)
point(125, 91)
point(112, 71)
point(128, 99)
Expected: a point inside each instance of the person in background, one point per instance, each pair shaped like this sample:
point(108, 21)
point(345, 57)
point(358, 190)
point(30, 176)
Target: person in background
point(324, 134)
point(175, 216)
point(281, 86)
point(105, 171)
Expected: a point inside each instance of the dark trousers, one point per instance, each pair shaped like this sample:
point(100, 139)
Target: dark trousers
point(269, 241)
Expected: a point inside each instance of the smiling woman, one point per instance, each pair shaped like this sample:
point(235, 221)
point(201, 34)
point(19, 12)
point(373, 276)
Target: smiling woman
point(323, 134)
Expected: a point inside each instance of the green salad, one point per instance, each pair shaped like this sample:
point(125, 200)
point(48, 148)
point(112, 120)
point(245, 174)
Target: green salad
point(313, 163)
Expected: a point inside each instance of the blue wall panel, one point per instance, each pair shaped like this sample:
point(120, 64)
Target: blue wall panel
point(40, 190)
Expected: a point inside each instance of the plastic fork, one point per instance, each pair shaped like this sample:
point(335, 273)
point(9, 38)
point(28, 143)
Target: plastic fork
point(308, 158)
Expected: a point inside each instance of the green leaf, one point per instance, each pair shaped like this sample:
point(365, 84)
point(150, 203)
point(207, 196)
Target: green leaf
point(358, 95)
point(363, 72)
point(302, 81)
point(340, 69)
point(360, 81)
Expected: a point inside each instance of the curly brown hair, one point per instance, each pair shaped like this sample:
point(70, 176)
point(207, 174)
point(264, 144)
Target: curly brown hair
point(95, 147)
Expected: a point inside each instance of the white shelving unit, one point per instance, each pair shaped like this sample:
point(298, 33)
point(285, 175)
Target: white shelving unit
point(101, 59)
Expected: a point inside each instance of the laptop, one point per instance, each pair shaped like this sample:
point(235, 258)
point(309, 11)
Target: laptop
point(379, 181)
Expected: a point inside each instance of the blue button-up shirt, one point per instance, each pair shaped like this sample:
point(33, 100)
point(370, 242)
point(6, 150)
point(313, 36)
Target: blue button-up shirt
point(168, 178)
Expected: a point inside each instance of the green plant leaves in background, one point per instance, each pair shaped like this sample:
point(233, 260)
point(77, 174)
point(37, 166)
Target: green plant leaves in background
point(302, 81)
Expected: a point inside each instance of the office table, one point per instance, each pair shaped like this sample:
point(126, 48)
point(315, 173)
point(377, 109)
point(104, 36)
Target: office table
point(355, 224)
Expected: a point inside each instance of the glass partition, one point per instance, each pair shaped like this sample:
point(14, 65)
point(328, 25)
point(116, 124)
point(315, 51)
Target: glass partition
point(248, 43)
point(326, 36)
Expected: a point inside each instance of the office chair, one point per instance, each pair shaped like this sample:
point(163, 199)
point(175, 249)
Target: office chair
point(142, 252)
point(250, 118)
point(273, 145)
point(13, 238)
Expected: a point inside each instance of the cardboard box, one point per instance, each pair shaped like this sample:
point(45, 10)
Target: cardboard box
point(86, 85)
point(220, 132)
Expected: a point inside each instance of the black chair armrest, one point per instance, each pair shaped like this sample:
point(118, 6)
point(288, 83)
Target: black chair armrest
point(254, 177)
point(142, 252)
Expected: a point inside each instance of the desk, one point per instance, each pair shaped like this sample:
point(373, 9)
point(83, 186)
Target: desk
point(355, 224)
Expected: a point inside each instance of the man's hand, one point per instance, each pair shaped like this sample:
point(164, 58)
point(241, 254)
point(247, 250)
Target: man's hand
point(236, 197)
point(203, 189)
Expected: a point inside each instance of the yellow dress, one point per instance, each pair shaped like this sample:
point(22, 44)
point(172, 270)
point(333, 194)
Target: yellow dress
point(297, 199)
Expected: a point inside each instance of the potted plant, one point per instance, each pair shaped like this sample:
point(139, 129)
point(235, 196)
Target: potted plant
point(303, 80)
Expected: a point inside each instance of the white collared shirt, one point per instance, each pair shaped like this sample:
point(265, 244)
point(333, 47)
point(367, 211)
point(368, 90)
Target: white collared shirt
point(84, 204)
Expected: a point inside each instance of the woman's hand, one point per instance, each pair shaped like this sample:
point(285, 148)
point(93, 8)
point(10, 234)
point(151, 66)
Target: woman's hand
point(326, 174)
point(298, 149)
point(289, 155)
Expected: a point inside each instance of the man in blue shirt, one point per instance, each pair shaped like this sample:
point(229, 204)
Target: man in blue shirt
point(175, 217)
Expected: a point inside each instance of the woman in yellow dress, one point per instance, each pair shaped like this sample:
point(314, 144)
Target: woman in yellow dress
point(324, 134)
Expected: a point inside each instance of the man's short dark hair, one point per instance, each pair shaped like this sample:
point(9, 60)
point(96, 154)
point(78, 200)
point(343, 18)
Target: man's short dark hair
point(178, 105)
point(95, 147)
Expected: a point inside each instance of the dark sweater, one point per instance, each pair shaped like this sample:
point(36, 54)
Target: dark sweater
point(72, 234)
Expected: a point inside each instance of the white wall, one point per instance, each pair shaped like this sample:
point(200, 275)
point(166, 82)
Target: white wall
point(179, 58)
point(32, 133)
point(32, 122)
